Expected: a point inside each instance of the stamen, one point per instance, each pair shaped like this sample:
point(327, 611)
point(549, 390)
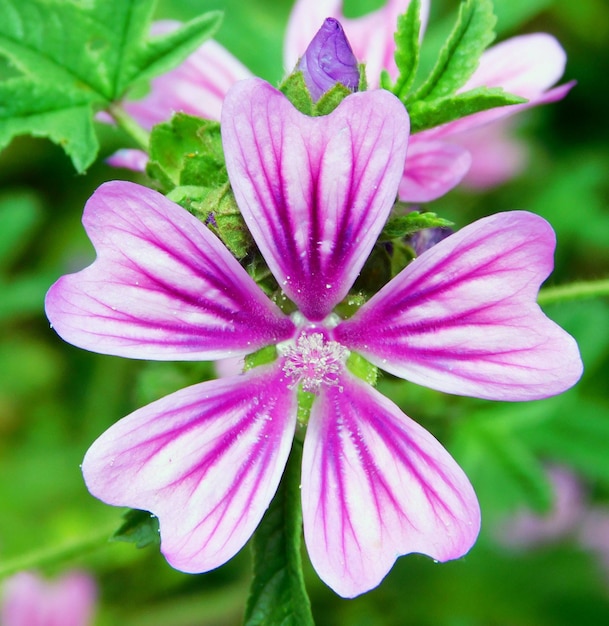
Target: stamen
point(314, 361)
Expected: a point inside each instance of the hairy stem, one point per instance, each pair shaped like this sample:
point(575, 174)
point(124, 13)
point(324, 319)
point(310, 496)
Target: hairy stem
point(124, 121)
point(574, 291)
point(56, 554)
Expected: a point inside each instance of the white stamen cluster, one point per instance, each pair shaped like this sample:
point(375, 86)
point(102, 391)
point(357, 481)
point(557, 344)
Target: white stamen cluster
point(314, 361)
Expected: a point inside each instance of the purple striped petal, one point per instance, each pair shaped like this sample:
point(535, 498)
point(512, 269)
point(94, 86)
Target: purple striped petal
point(162, 287)
point(314, 191)
point(432, 169)
point(463, 317)
point(206, 460)
point(376, 485)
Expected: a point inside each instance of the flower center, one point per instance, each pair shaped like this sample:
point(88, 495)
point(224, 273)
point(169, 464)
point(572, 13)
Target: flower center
point(313, 361)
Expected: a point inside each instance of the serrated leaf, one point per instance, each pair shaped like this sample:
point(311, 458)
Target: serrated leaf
point(139, 527)
point(77, 58)
point(187, 151)
point(404, 225)
point(458, 59)
point(426, 114)
point(278, 596)
point(407, 47)
point(42, 110)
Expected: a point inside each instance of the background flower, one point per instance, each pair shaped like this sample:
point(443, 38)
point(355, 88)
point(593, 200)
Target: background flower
point(29, 600)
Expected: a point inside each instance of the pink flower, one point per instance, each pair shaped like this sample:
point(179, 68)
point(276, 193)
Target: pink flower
point(315, 193)
point(439, 159)
point(29, 600)
point(526, 528)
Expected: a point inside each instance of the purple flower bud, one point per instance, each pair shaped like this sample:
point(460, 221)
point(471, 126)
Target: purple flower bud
point(329, 60)
point(427, 238)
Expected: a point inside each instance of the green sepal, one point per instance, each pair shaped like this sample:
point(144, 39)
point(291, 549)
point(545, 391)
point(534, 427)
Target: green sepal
point(305, 404)
point(278, 596)
point(376, 271)
point(407, 49)
point(459, 57)
point(401, 255)
point(187, 151)
point(265, 355)
point(400, 226)
point(362, 368)
point(262, 275)
point(363, 81)
point(426, 114)
point(331, 99)
point(295, 90)
point(349, 305)
point(140, 528)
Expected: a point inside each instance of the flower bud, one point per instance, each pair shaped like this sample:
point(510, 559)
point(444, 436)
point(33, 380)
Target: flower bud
point(426, 238)
point(329, 60)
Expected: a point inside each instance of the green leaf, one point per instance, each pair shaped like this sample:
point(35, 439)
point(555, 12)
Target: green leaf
point(75, 58)
point(278, 596)
point(187, 151)
point(426, 114)
point(459, 57)
point(20, 214)
point(499, 459)
point(577, 435)
point(405, 225)
point(42, 110)
point(407, 48)
point(139, 527)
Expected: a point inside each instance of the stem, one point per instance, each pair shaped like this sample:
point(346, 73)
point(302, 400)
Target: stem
point(277, 595)
point(574, 291)
point(140, 136)
point(55, 555)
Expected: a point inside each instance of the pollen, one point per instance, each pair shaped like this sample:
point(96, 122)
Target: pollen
point(313, 361)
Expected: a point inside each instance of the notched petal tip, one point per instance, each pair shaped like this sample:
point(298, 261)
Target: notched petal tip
point(162, 287)
point(314, 192)
point(376, 485)
point(206, 461)
point(463, 317)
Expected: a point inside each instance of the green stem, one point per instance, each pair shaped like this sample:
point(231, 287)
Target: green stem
point(574, 291)
point(140, 136)
point(278, 596)
point(55, 555)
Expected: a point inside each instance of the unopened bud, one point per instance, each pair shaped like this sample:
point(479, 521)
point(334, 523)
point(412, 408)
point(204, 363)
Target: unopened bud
point(329, 60)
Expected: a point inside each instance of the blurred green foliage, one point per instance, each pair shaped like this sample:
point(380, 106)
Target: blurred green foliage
point(55, 399)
